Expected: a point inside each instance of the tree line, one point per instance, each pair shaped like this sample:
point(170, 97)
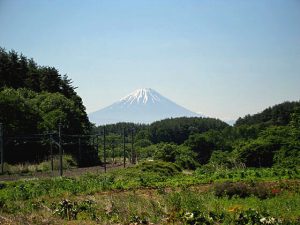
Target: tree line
point(35, 99)
point(266, 139)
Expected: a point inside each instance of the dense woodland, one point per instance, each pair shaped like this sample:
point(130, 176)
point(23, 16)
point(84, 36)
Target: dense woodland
point(35, 99)
point(267, 139)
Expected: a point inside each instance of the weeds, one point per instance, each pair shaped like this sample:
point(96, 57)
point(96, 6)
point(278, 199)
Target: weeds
point(68, 162)
point(244, 190)
point(151, 194)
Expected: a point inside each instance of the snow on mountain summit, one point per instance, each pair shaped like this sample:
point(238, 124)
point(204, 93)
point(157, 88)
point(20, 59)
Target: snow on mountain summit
point(142, 95)
point(144, 105)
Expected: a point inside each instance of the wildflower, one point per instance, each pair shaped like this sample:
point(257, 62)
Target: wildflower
point(234, 208)
point(275, 191)
point(268, 220)
point(189, 215)
point(263, 220)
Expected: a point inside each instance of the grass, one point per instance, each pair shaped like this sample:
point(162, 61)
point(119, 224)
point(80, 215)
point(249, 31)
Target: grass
point(25, 168)
point(153, 192)
point(156, 206)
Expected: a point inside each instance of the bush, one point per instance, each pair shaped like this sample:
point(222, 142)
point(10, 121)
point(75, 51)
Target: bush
point(244, 190)
point(232, 189)
point(186, 158)
point(163, 168)
point(223, 159)
point(69, 210)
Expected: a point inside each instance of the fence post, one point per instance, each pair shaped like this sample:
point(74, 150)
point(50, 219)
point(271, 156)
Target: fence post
point(93, 142)
point(124, 151)
point(96, 148)
point(104, 148)
point(79, 150)
point(113, 151)
point(60, 151)
point(51, 152)
point(132, 149)
point(1, 148)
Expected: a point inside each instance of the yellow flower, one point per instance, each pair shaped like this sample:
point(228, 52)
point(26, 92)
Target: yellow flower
point(234, 208)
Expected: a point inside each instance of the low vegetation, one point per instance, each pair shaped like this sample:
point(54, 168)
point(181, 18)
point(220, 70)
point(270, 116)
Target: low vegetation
point(156, 193)
point(45, 166)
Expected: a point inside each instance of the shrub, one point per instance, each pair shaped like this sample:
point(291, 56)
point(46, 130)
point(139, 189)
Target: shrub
point(163, 168)
point(231, 189)
point(244, 190)
point(67, 209)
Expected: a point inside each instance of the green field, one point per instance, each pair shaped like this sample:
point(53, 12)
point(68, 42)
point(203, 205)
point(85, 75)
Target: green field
point(156, 193)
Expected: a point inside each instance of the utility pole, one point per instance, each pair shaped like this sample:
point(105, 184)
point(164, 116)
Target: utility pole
point(113, 151)
point(132, 156)
point(93, 141)
point(79, 150)
point(51, 152)
point(60, 151)
point(97, 145)
point(104, 148)
point(124, 151)
point(1, 148)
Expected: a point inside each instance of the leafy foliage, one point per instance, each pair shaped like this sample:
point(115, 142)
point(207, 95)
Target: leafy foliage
point(277, 115)
point(35, 99)
point(243, 190)
point(163, 168)
point(272, 146)
point(177, 130)
point(30, 93)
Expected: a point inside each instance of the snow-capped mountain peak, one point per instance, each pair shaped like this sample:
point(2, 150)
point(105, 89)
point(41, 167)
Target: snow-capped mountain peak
point(141, 96)
point(144, 105)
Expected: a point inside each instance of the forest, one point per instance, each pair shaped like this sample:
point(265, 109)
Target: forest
point(266, 139)
point(34, 100)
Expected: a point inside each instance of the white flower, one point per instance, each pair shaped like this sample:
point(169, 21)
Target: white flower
point(272, 219)
point(189, 215)
point(268, 220)
point(263, 220)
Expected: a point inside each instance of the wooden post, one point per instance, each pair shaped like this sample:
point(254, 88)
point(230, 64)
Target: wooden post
point(132, 150)
point(113, 151)
point(51, 153)
point(124, 151)
point(60, 151)
point(1, 148)
point(97, 145)
point(93, 141)
point(79, 150)
point(104, 148)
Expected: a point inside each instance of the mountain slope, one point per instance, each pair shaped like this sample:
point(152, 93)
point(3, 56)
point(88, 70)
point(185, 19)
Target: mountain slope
point(141, 106)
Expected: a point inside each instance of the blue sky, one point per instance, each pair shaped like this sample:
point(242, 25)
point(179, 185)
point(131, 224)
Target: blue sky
point(221, 58)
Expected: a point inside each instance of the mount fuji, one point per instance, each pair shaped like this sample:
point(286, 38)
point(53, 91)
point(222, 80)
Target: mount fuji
point(141, 106)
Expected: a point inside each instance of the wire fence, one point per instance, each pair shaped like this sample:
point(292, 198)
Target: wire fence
point(52, 149)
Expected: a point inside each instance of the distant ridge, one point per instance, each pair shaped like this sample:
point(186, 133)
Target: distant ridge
point(144, 105)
